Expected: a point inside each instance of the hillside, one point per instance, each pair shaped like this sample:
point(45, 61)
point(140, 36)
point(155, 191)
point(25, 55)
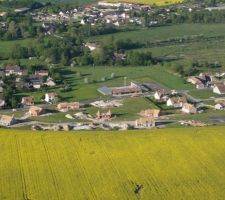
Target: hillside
point(162, 164)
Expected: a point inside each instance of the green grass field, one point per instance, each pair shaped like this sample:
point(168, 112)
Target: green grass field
point(170, 164)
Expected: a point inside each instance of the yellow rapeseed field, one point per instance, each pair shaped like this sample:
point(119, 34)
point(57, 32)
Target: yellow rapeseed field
point(150, 2)
point(157, 164)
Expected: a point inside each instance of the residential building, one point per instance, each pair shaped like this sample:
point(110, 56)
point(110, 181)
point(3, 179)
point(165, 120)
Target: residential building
point(189, 108)
point(127, 90)
point(51, 97)
point(176, 102)
point(219, 89)
point(6, 120)
point(35, 111)
point(27, 101)
point(50, 82)
point(150, 113)
point(159, 94)
point(146, 122)
point(43, 73)
point(104, 115)
point(64, 107)
point(2, 103)
point(220, 105)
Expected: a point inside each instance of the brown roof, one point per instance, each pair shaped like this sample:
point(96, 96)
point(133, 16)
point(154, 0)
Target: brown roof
point(221, 102)
point(178, 99)
point(6, 118)
point(126, 89)
point(221, 87)
point(35, 109)
point(52, 94)
point(65, 105)
point(28, 100)
point(150, 112)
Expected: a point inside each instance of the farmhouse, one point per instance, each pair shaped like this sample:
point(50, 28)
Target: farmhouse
point(220, 105)
point(146, 122)
point(51, 97)
point(219, 89)
point(14, 70)
point(27, 101)
point(2, 103)
point(189, 108)
point(176, 102)
point(127, 90)
point(199, 83)
point(104, 115)
point(92, 46)
point(50, 82)
point(64, 107)
point(6, 120)
point(41, 73)
point(193, 80)
point(35, 111)
point(109, 4)
point(35, 81)
point(150, 113)
point(159, 95)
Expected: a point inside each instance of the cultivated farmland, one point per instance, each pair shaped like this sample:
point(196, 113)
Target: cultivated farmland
point(172, 164)
point(156, 2)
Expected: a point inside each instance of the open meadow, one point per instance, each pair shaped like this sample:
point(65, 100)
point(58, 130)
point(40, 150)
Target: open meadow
point(163, 164)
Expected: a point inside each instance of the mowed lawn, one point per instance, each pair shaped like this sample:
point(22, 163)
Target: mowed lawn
point(167, 32)
point(169, 164)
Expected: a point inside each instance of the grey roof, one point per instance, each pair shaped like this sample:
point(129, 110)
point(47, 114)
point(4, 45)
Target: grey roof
point(105, 90)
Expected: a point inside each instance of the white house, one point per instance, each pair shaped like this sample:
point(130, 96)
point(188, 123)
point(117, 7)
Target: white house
point(145, 123)
point(158, 95)
point(220, 105)
point(176, 102)
point(51, 97)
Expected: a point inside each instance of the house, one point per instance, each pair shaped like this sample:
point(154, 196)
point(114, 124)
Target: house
point(193, 80)
point(64, 107)
point(159, 94)
point(35, 111)
point(146, 122)
point(119, 56)
point(43, 73)
point(35, 81)
point(6, 120)
point(219, 88)
point(92, 46)
point(220, 105)
point(51, 97)
point(176, 102)
point(2, 103)
point(104, 115)
point(27, 101)
point(127, 90)
point(199, 83)
point(15, 70)
point(50, 82)
point(152, 113)
point(189, 108)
